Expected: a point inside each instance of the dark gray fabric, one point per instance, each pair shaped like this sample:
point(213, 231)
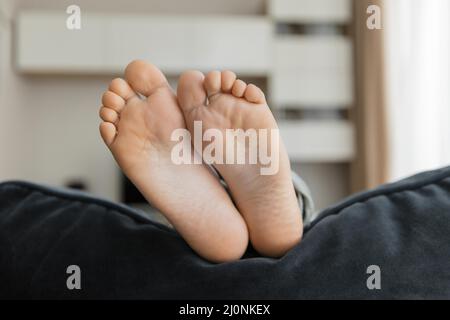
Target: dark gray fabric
point(404, 228)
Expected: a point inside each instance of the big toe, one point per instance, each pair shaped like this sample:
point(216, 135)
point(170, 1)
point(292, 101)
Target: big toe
point(191, 92)
point(144, 77)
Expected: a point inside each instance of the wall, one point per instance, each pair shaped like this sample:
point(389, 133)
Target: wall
point(49, 125)
point(12, 112)
point(65, 143)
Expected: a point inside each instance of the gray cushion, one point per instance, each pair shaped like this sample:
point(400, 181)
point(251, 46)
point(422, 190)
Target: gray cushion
point(404, 228)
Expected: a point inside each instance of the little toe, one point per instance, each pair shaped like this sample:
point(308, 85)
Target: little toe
point(212, 83)
point(108, 115)
point(238, 89)
point(145, 78)
point(113, 101)
point(191, 93)
point(122, 89)
point(108, 132)
point(228, 79)
point(254, 94)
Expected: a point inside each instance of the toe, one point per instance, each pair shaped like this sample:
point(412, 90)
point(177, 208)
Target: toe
point(108, 115)
point(254, 94)
point(122, 89)
point(228, 79)
point(108, 132)
point(144, 77)
point(113, 101)
point(191, 93)
point(238, 89)
point(213, 83)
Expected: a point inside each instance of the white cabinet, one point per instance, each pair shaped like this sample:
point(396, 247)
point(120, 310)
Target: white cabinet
point(106, 43)
point(318, 140)
point(311, 11)
point(312, 71)
point(177, 43)
point(44, 44)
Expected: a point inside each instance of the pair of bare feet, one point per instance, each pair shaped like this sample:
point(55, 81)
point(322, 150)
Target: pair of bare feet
point(139, 116)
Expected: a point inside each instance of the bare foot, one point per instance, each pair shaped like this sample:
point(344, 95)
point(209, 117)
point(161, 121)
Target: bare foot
point(267, 202)
point(138, 132)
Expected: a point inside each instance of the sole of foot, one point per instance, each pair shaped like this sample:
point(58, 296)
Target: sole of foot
point(139, 114)
point(267, 202)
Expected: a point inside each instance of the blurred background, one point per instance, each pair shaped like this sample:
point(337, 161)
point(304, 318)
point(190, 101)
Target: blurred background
point(357, 106)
